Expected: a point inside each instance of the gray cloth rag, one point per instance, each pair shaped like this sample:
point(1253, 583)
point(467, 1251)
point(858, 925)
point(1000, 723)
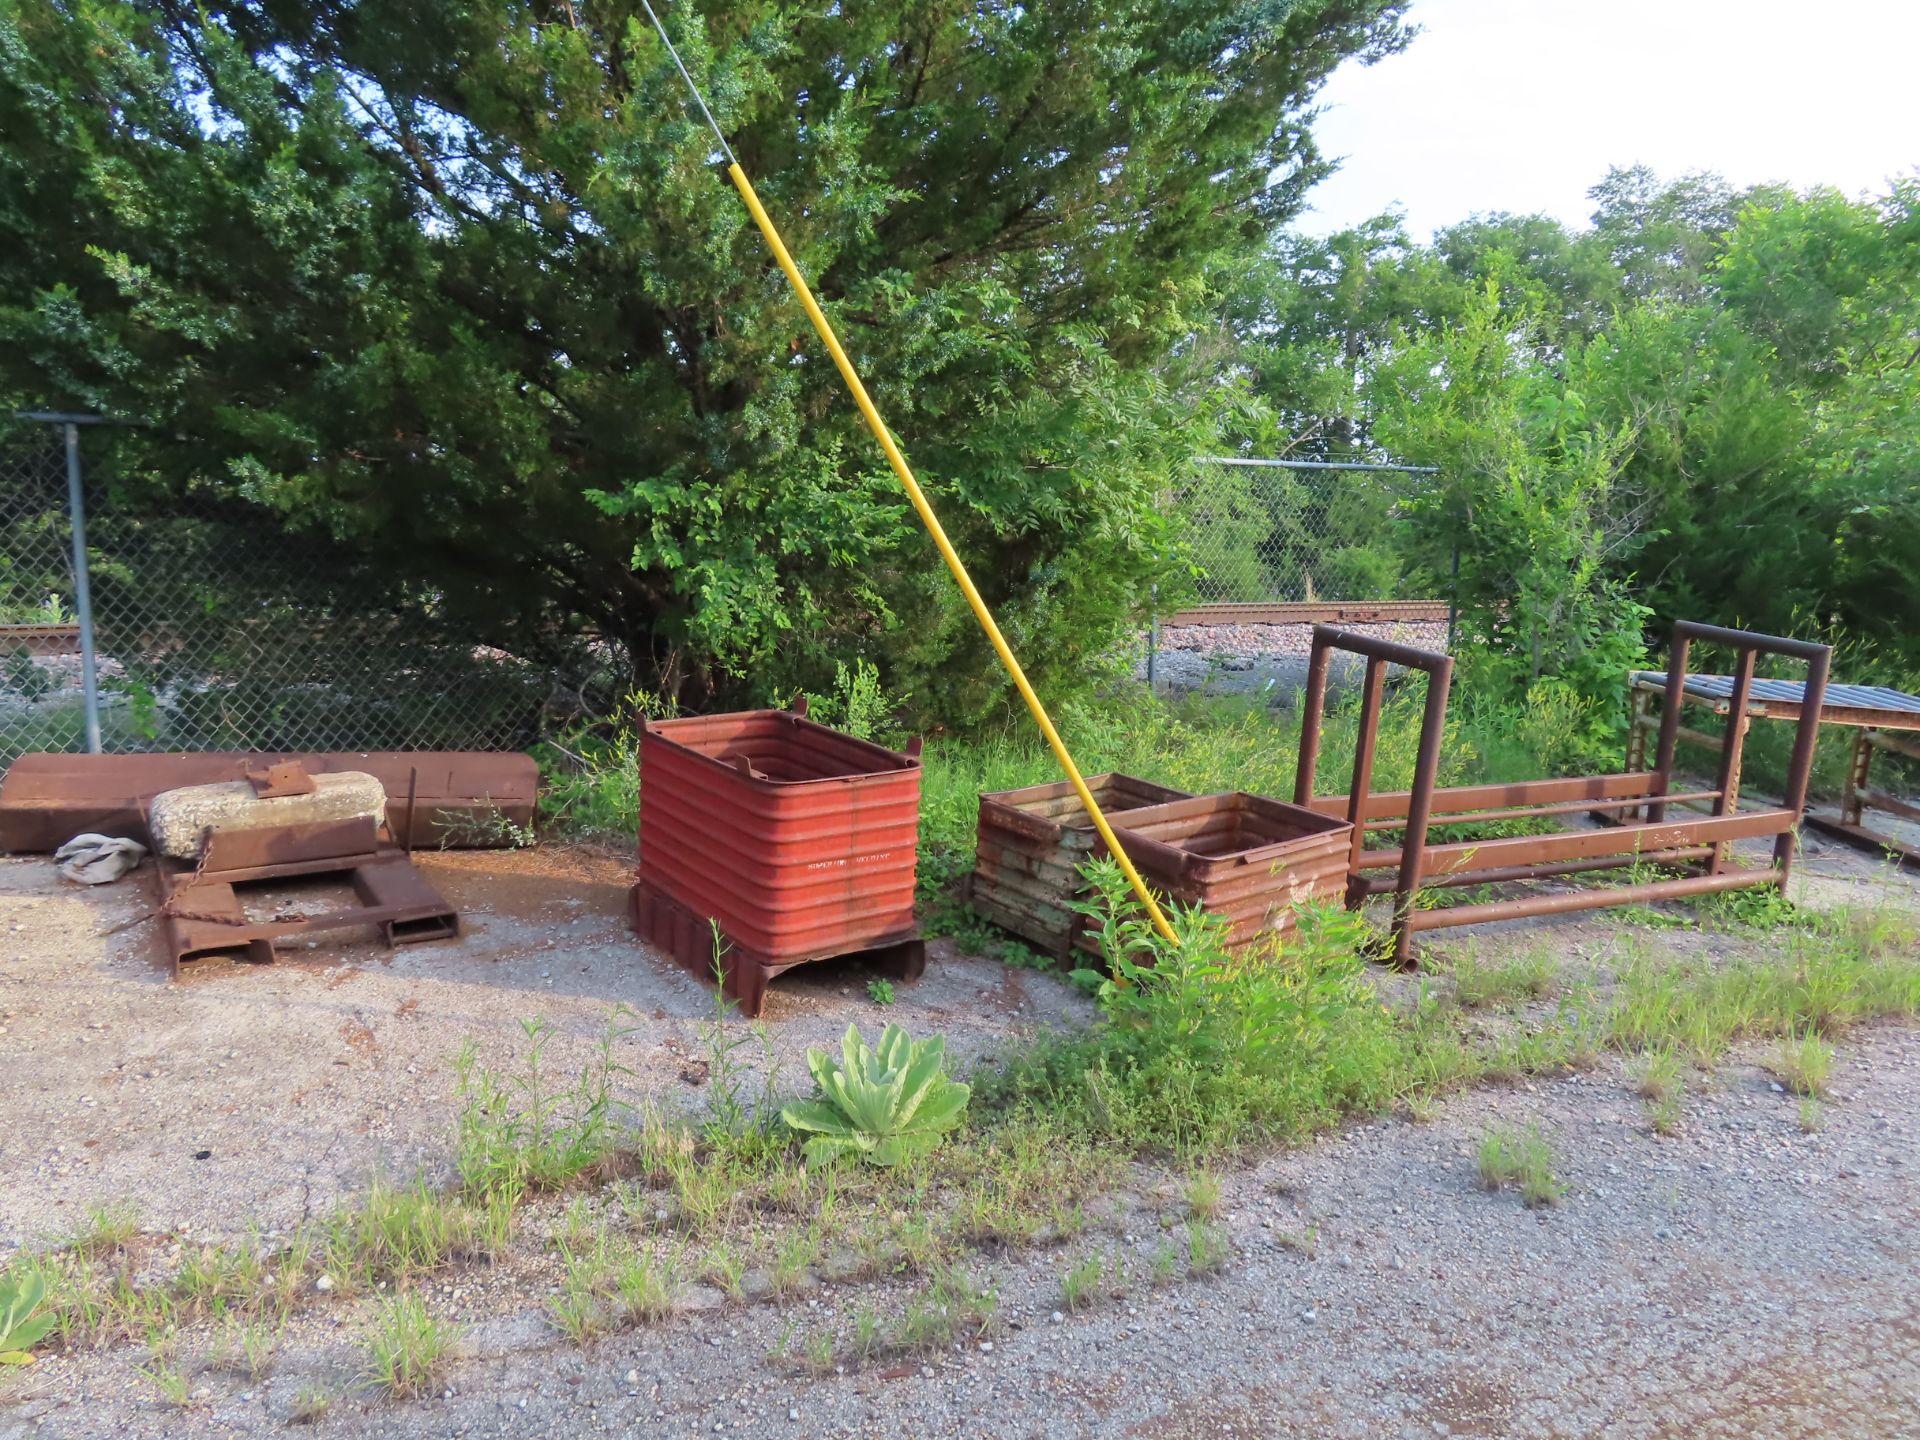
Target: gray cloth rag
point(98, 859)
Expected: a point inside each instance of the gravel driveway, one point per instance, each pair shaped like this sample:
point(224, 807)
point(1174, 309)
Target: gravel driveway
point(1266, 660)
point(1742, 1278)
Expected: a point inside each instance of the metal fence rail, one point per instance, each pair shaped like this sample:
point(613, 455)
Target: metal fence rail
point(215, 626)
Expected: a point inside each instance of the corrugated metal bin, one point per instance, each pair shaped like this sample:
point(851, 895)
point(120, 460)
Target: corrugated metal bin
point(1031, 844)
point(1242, 857)
point(799, 842)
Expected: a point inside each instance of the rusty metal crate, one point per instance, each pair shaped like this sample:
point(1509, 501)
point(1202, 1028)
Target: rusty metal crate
point(1244, 858)
point(1031, 843)
point(799, 842)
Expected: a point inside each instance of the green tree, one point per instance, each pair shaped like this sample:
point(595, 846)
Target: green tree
point(459, 283)
point(1530, 500)
point(1719, 391)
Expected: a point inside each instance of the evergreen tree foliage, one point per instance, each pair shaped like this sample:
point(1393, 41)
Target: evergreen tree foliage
point(460, 283)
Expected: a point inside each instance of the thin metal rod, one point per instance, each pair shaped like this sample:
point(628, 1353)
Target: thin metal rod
point(1315, 464)
point(82, 588)
point(1153, 642)
point(698, 99)
point(1730, 750)
point(1363, 747)
point(945, 546)
point(1562, 902)
point(1381, 884)
point(1669, 723)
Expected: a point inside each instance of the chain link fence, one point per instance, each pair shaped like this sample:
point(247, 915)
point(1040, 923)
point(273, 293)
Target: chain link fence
point(215, 627)
point(42, 705)
point(1271, 546)
point(1299, 531)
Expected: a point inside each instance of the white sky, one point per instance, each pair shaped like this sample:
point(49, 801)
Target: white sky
point(1521, 105)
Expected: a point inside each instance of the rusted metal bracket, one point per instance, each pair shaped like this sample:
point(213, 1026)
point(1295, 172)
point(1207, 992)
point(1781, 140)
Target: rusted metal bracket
point(200, 905)
point(288, 777)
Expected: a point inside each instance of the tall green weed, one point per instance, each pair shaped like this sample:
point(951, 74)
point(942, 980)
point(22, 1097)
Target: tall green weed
point(1198, 1050)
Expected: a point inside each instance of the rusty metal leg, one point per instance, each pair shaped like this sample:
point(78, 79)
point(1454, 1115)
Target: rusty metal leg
point(1800, 769)
point(1313, 704)
point(1853, 793)
point(1426, 771)
point(1671, 701)
point(1732, 745)
point(1364, 744)
point(1637, 723)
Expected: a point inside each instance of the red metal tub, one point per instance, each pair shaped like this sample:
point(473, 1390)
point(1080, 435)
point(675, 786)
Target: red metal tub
point(799, 842)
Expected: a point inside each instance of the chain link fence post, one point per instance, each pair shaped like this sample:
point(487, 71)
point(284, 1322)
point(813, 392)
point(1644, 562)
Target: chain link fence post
point(42, 705)
point(82, 589)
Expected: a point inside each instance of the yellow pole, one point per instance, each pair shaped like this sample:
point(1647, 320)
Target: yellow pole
point(947, 552)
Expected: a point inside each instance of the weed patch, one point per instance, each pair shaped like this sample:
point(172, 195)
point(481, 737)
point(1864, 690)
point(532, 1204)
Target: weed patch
point(1520, 1159)
point(407, 1346)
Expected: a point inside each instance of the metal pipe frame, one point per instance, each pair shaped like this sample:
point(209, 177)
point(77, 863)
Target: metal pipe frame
point(1874, 731)
point(1470, 800)
point(1378, 654)
point(1564, 902)
point(1749, 644)
point(1379, 884)
point(82, 587)
point(1420, 864)
point(1859, 795)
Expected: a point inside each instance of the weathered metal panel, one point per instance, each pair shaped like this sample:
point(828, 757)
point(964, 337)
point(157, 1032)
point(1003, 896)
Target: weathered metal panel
point(1793, 692)
point(458, 796)
point(1030, 846)
point(1244, 858)
point(798, 841)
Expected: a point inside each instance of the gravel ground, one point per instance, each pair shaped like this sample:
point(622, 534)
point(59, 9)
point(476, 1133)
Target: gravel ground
point(300, 1080)
point(1262, 659)
point(1742, 1278)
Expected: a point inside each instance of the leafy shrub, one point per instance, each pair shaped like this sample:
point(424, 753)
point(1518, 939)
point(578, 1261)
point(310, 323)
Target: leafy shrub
point(1198, 1050)
point(885, 1105)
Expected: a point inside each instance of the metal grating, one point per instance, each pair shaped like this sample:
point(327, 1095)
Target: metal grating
point(1791, 692)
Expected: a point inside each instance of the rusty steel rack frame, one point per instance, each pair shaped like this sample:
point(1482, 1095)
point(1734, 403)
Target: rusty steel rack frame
point(1699, 845)
point(1876, 715)
point(201, 915)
